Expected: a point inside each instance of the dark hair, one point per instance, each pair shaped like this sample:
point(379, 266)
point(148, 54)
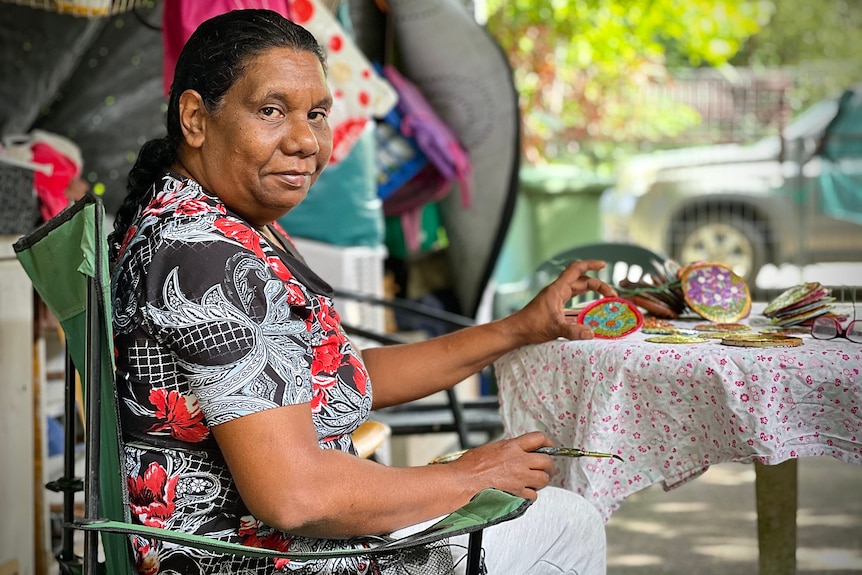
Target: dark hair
point(211, 61)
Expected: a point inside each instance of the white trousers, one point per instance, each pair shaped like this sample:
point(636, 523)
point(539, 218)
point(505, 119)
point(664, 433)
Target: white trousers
point(559, 534)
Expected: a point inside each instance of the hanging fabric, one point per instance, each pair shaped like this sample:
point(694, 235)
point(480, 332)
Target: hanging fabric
point(419, 158)
point(36, 170)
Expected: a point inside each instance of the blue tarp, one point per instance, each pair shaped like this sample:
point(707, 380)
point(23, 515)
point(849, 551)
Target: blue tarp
point(841, 170)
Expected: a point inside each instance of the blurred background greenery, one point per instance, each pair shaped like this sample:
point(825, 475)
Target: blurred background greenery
point(596, 77)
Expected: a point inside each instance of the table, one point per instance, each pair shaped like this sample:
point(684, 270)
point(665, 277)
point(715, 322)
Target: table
point(672, 410)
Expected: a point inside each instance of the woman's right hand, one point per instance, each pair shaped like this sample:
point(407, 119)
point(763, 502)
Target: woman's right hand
point(508, 465)
point(544, 318)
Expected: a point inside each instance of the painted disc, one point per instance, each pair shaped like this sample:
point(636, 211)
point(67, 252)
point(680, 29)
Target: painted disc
point(761, 340)
point(611, 317)
point(676, 339)
point(790, 297)
point(669, 331)
point(722, 327)
point(715, 293)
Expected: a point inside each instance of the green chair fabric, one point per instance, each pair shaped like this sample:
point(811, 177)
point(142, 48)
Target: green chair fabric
point(66, 259)
point(486, 508)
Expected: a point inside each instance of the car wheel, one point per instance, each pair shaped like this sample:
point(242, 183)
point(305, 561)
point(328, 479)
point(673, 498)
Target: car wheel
point(721, 237)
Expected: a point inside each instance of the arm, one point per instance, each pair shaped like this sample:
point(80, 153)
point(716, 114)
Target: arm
point(402, 373)
point(288, 482)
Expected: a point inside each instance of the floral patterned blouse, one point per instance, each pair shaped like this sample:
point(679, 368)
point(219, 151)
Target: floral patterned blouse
point(213, 323)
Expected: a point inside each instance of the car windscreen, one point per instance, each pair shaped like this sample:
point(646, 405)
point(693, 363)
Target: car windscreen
point(812, 122)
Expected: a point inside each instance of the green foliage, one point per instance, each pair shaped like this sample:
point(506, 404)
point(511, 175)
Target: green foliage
point(582, 66)
point(820, 42)
point(804, 31)
point(585, 68)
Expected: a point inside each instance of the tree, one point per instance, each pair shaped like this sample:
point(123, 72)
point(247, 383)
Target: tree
point(581, 66)
point(819, 43)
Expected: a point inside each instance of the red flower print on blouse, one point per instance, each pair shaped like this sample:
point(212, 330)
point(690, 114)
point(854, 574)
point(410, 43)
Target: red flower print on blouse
point(280, 542)
point(248, 526)
point(130, 233)
point(240, 232)
point(279, 229)
point(151, 496)
point(249, 535)
point(196, 206)
point(327, 356)
point(146, 558)
point(319, 387)
point(277, 266)
point(360, 377)
point(180, 415)
point(295, 295)
point(328, 317)
point(160, 202)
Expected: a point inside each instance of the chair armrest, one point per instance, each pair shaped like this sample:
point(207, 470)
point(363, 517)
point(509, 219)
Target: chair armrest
point(369, 437)
point(486, 508)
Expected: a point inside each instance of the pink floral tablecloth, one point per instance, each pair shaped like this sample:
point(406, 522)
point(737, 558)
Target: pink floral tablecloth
point(672, 410)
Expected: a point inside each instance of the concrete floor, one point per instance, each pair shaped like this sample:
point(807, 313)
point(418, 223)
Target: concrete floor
point(709, 526)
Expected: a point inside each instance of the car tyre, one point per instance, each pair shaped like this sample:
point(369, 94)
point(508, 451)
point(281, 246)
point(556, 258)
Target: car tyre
point(721, 236)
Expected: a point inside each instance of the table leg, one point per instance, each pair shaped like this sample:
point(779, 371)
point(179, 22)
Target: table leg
point(776, 492)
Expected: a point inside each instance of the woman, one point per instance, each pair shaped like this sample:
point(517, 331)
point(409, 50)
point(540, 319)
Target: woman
point(239, 389)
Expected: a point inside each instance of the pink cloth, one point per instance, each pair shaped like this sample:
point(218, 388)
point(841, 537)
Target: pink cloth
point(671, 411)
point(51, 190)
point(180, 18)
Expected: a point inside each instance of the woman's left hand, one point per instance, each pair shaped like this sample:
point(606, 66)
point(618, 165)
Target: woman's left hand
point(544, 318)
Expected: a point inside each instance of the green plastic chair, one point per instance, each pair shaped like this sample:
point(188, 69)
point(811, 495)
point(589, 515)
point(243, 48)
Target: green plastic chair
point(67, 264)
point(623, 260)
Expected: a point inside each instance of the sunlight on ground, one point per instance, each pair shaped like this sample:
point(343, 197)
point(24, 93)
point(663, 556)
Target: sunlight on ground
point(680, 507)
point(823, 559)
point(739, 550)
point(729, 475)
point(634, 561)
point(655, 528)
point(709, 526)
point(743, 551)
point(807, 518)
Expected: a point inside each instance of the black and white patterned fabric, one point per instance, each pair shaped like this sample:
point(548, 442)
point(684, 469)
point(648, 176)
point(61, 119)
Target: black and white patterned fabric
point(212, 323)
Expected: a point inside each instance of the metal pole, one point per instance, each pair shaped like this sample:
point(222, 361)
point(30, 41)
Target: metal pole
point(93, 383)
point(67, 551)
point(474, 553)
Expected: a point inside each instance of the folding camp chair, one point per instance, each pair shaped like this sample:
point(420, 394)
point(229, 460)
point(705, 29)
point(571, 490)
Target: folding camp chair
point(66, 261)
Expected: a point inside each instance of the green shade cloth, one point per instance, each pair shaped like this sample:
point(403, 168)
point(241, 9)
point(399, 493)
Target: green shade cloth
point(841, 172)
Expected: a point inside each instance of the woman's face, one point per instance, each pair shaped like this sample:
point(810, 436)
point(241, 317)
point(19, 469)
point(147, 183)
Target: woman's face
point(270, 139)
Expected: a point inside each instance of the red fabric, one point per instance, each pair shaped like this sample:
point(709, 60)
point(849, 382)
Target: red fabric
point(51, 189)
point(181, 17)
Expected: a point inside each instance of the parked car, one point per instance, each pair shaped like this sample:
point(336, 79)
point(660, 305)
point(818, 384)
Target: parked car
point(796, 198)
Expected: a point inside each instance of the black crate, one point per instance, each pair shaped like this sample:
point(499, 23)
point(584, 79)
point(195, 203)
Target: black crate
point(19, 206)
